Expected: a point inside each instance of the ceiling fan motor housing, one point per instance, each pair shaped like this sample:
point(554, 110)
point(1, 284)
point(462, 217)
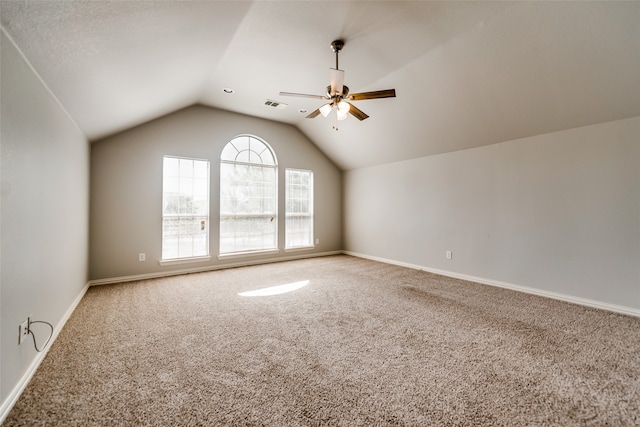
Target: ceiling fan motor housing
point(345, 92)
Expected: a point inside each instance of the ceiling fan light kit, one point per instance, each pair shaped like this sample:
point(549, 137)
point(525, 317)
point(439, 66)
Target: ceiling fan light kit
point(338, 93)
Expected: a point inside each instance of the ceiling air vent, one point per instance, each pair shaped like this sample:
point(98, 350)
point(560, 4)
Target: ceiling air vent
point(275, 104)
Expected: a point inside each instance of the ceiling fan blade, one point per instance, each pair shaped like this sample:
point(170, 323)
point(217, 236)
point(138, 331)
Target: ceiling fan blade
point(313, 114)
point(337, 81)
point(303, 95)
point(356, 112)
point(388, 93)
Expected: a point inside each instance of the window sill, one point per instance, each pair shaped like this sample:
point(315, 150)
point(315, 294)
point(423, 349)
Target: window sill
point(184, 260)
point(245, 254)
point(300, 248)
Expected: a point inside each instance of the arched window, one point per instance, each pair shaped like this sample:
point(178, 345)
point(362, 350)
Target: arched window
point(248, 196)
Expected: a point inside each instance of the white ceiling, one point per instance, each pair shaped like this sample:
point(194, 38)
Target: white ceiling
point(466, 74)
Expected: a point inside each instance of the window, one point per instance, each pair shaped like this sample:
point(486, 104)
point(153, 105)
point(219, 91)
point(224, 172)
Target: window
point(299, 208)
point(185, 208)
point(248, 196)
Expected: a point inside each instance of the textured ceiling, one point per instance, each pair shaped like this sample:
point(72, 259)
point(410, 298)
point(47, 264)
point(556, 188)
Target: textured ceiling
point(466, 73)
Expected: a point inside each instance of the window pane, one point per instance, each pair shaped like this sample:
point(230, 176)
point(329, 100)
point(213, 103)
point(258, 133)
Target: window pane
point(247, 233)
point(229, 153)
point(201, 170)
point(171, 166)
point(244, 156)
point(200, 187)
point(171, 184)
point(241, 143)
point(299, 208)
point(267, 157)
point(186, 168)
point(185, 201)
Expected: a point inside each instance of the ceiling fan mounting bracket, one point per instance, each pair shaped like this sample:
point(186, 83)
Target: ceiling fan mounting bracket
point(337, 45)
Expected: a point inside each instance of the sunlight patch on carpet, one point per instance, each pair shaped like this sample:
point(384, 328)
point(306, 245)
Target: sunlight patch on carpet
point(275, 290)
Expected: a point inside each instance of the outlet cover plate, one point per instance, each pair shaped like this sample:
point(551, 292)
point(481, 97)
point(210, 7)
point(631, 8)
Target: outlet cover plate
point(23, 331)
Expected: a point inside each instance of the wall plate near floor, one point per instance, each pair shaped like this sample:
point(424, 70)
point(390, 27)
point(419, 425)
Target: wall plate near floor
point(23, 331)
point(448, 254)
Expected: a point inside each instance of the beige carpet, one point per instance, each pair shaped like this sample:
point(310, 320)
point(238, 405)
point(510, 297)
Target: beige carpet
point(363, 344)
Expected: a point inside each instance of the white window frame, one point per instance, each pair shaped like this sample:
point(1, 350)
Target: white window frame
point(296, 210)
point(186, 188)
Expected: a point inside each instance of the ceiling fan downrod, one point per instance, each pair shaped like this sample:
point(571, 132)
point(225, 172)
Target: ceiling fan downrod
point(337, 46)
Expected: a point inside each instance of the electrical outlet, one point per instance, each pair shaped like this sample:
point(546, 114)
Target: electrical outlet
point(23, 330)
point(448, 254)
point(142, 257)
point(317, 241)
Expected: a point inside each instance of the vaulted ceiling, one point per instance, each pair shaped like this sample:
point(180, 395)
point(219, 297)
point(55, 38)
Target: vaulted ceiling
point(466, 74)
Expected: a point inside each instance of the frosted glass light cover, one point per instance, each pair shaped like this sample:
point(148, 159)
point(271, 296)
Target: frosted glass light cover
point(325, 110)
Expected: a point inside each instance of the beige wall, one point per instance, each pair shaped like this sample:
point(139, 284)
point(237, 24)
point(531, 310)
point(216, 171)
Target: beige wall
point(558, 212)
point(44, 205)
point(126, 187)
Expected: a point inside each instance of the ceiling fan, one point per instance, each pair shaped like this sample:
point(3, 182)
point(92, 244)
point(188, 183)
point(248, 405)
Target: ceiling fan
point(338, 93)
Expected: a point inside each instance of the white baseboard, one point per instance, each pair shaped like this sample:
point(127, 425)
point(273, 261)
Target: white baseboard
point(12, 398)
point(245, 263)
point(548, 294)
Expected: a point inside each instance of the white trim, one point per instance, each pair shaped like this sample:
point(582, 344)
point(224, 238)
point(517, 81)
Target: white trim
point(136, 277)
point(548, 294)
point(231, 255)
point(175, 261)
point(13, 396)
point(299, 248)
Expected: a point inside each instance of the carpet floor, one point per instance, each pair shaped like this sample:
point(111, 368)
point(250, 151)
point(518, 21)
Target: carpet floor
point(360, 344)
